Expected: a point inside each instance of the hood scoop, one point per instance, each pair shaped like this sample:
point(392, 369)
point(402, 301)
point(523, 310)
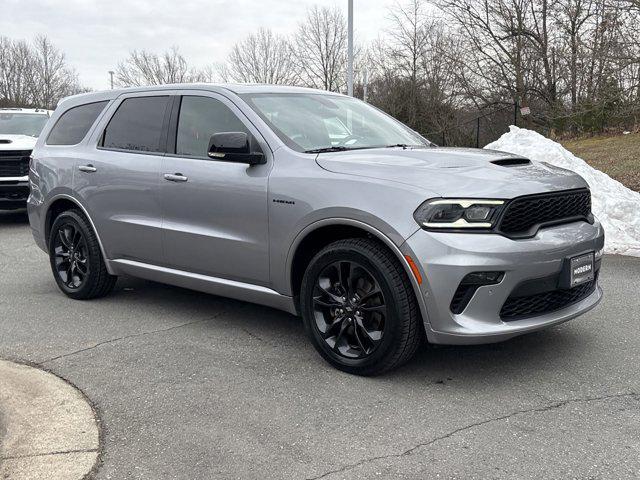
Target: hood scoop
point(5, 141)
point(511, 162)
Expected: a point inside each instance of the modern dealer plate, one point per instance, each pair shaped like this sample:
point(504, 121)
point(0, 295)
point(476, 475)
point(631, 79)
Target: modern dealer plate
point(581, 269)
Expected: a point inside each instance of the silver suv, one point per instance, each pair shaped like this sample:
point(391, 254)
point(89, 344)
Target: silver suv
point(316, 204)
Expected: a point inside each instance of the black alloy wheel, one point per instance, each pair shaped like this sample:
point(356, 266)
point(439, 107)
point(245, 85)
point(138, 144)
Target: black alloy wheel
point(359, 308)
point(76, 258)
point(349, 309)
point(70, 256)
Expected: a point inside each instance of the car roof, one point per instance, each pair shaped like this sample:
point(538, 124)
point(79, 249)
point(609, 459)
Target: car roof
point(238, 88)
point(233, 87)
point(241, 88)
point(28, 111)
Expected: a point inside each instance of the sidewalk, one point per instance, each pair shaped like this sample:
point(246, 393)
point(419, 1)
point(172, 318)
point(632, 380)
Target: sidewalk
point(48, 429)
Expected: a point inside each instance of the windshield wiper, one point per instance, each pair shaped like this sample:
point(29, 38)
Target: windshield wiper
point(338, 148)
point(405, 146)
point(342, 148)
point(401, 145)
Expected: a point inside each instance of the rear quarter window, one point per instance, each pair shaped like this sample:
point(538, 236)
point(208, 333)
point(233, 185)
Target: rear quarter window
point(74, 124)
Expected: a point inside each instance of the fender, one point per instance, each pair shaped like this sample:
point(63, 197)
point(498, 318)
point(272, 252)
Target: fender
point(86, 213)
point(377, 234)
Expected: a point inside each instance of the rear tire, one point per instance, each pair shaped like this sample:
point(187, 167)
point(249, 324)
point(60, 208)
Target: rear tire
point(359, 308)
point(76, 260)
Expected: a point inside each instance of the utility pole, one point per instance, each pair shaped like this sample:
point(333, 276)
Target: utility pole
point(111, 72)
point(350, 51)
point(365, 81)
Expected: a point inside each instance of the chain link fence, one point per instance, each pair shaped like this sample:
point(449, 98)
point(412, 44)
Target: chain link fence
point(478, 130)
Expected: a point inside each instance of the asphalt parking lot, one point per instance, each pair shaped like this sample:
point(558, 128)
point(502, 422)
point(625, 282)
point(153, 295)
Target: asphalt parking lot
point(193, 386)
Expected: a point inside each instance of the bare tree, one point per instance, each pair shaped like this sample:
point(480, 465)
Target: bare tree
point(632, 4)
point(576, 63)
point(574, 23)
point(52, 78)
point(146, 68)
point(320, 48)
point(34, 75)
point(262, 57)
point(409, 37)
point(209, 74)
point(16, 71)
point(413, 76)
point(495, 51)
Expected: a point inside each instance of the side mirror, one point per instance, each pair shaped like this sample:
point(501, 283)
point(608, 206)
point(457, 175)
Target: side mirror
point(233, 147)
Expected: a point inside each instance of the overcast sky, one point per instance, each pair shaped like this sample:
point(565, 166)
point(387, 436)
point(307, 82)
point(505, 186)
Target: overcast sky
point(95, 35)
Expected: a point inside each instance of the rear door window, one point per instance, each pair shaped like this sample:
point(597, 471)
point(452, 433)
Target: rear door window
point(137, 125)
point(74, 124)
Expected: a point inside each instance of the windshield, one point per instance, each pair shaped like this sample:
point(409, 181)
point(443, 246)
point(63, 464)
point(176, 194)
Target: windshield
point(22, 124)
point(315, 122)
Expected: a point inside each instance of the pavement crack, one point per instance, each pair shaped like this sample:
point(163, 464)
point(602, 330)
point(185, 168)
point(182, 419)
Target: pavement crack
point(126, 337)
point(46, 454)
point(409, 451)
point(257, 337)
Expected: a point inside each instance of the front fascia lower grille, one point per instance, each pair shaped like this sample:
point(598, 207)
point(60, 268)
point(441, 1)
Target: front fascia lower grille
point(521, 307)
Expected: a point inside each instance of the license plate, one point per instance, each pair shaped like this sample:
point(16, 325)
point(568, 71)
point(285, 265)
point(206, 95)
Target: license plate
point(581, 269)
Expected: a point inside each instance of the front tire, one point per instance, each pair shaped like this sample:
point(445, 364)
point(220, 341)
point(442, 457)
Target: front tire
point(76, 260)
point(359, 308)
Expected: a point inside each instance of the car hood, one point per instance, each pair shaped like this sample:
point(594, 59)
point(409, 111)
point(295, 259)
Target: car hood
point(17, 142)
point(454, 172)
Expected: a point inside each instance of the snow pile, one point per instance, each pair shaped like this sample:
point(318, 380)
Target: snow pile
point(616, 206)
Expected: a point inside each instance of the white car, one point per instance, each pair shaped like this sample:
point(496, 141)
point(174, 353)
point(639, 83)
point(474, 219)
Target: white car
point(19, 130)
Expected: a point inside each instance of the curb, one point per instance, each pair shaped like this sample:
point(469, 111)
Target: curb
point(49, 429)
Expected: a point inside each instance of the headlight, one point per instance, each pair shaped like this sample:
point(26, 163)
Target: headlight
point(444, 213)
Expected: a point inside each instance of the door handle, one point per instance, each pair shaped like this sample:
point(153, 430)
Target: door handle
point(175, 177)
point(87, 168)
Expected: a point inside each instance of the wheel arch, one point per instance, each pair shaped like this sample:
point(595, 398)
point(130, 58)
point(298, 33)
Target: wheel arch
point(323, 232)
point(61, 203)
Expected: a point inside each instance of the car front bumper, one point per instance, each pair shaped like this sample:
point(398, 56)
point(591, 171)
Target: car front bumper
point(446, 258)
point(13, 192)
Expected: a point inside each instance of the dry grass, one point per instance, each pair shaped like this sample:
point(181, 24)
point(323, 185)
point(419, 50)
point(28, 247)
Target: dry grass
point(618, 156)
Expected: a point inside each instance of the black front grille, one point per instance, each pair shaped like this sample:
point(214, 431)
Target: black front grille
point(523, 216)
point(517, 308)
point(14, 163)
point(12, 193)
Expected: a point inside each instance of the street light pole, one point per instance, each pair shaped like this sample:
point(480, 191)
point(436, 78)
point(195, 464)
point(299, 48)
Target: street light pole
point(111, 72)
point(365, 85)
point(350, 51)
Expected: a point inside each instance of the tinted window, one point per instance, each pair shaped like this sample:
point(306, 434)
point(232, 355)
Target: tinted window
point(74, 124)
point(201, 117)
point(137, 125)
